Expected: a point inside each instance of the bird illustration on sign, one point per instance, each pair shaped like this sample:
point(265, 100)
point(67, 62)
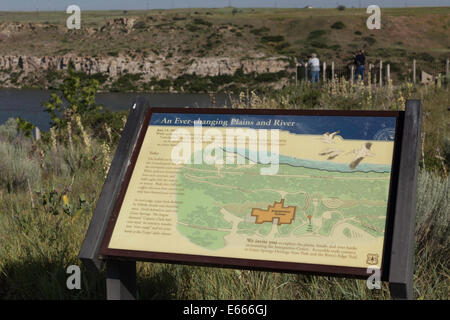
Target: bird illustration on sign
point(331, 137)
point(360, 154)
point(332, 153)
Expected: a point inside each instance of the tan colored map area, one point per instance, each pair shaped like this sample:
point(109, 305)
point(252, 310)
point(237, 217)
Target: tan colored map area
point(277, 211)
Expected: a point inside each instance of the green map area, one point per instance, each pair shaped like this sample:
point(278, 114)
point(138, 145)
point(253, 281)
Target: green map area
point(217, 201)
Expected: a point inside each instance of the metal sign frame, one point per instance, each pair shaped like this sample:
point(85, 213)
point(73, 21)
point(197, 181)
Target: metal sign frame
point(398, 251)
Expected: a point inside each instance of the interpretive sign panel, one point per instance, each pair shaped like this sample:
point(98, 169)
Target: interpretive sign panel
point(266, 189)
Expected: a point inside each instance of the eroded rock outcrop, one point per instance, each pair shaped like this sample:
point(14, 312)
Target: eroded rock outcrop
point(150, 67)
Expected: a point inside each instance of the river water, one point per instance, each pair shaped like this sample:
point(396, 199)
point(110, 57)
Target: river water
point(27, 103)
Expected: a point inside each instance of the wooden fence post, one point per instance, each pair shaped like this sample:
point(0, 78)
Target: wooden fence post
point(381, 73)
point(388, 73)
point(332, 70)
point(37, 133)
point(306, 72)
point(374, 76)
point(324, 72)
point(352, 74)
point(414, 71)
point(447, 69)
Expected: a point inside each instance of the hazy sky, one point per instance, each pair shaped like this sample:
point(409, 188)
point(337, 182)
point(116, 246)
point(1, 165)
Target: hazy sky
point(42, 5)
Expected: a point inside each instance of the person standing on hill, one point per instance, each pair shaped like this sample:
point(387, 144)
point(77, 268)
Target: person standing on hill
point(314, 64)
point(360, 61)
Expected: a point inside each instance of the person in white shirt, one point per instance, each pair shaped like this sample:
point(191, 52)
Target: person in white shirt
point(314, 65)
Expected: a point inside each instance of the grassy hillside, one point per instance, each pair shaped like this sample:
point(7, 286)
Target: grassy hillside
point(406, 33)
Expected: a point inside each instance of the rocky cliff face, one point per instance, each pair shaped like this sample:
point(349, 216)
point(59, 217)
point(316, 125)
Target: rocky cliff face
point(26, 68)
point(165, 44)
point(157, 47)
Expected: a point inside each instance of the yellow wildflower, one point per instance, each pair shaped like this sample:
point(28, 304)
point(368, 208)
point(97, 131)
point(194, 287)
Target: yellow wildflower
point(65, 199)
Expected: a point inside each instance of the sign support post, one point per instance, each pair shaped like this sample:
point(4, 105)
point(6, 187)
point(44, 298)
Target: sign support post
point(402, 253)
point(120, 280)
point(111, 189)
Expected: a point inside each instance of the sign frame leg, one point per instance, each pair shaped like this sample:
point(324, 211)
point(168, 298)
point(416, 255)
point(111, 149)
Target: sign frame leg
point(401, 271)
point(120, 280)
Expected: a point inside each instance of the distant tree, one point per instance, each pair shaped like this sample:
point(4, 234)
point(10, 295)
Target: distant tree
point(79, 95)
point(341, 8)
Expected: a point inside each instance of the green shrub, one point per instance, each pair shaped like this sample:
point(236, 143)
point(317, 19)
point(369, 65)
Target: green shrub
point(140, 25)
point(395, 67)
point(202, 22)
point(433, 206)
point(193, 28)
point(267, 39)
point(99, 76)
point(52, 74)
point(8, 131)
point(320, 43)
point(282, 46)
point(425, 56)
point(338, 25)
point(259, 31)
point(270, 76)
point(18, 166)
point(311, 98)
point(199, 85)
point(222, 79)
point(370, 40)
point(127, 82)
point(14, 76)
point(316, 34)
point(391, 52)
point(163, 84)
point(25, 127)
point(335, 47)
point(79, 95)
point(96, 121)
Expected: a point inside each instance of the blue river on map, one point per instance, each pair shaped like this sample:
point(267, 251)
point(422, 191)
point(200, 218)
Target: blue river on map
point(319, 165)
